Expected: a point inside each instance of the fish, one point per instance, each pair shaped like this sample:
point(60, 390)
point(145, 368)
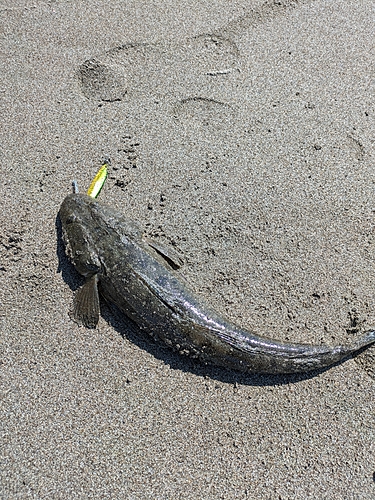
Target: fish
point(143, 279)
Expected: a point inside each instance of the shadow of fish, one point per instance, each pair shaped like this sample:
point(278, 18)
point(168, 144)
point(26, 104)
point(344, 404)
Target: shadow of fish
point(140, 277)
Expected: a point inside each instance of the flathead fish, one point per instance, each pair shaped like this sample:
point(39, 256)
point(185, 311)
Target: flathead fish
point(141, 277)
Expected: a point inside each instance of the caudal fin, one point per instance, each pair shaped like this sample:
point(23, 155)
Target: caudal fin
point(364, 341)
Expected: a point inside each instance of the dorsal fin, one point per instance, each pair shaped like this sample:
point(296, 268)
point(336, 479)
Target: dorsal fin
point(169, 254)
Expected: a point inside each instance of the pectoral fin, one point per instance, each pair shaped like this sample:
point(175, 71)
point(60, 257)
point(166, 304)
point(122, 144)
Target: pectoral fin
point(86, 303)
point(169, 254)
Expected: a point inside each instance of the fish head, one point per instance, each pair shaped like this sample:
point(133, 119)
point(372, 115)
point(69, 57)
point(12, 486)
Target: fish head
point(78, 227)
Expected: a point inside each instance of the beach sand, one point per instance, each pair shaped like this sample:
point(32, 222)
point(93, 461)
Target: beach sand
point(242, 133)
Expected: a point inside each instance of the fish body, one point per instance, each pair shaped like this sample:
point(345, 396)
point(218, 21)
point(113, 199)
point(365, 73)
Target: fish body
point(141, 278)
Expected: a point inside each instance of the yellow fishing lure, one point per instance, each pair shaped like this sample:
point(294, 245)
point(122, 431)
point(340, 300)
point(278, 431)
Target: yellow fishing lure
point(98, 181)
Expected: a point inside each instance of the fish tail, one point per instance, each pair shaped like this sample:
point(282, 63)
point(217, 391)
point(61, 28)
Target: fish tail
point(364, 340)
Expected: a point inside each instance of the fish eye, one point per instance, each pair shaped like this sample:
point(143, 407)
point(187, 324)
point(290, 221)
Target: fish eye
point(92, 267)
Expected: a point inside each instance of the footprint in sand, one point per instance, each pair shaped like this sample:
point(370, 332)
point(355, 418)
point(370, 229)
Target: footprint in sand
point(193, 72)
point(196, 72)
point(194, 68)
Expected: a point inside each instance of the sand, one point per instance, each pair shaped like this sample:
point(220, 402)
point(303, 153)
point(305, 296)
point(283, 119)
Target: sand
point(243, 134)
